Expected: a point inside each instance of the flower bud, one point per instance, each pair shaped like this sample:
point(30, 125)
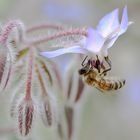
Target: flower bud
point(25, 116)
point(48, 111)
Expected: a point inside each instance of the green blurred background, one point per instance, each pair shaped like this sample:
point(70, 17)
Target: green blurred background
point(110, 116)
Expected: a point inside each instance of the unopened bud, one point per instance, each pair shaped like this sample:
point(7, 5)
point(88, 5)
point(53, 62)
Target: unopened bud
point(25, 116)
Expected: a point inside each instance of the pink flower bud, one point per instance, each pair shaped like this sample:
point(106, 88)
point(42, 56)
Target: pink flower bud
point(48, 111)
point(25, 116)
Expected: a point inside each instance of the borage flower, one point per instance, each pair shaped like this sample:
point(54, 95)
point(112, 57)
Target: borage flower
point(98, 40)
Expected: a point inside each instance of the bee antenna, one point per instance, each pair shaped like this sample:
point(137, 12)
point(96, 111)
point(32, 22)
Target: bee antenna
point(109, 63)
point(84, 61)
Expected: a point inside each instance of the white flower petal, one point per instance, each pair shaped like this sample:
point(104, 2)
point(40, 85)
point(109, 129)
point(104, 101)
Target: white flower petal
point(123, 27)
point(124, 22)
point(74, 49)
point(94, 41)
point(112, 41)
point(108, 23)
point(112, 37)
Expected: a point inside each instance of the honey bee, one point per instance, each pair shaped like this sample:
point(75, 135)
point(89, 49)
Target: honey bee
point(95, 74)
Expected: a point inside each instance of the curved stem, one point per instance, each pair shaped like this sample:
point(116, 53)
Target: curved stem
point(58, 35)
point(44, 26)
point(8, 28)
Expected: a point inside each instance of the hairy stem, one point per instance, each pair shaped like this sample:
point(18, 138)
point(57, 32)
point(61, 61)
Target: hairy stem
point(9, 28)
point(44, 26)
point(29, 75)
point(58, 35)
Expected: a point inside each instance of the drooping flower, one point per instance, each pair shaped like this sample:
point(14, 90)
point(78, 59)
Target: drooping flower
point(11, 34)
point(98, 40)
point(26, 106)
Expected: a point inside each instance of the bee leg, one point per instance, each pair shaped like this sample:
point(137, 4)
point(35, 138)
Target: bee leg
point(98, 64)
point(99, 89)
point(84, 61)
point(109, 63)
point(108, 60)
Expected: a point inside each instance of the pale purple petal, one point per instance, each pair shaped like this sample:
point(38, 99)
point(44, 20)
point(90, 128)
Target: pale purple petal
point(112, 41)
point(74, 49)
point(123, 27)
point(94, 41)
point(109, 43)
point(124, 22)
point(108, 23)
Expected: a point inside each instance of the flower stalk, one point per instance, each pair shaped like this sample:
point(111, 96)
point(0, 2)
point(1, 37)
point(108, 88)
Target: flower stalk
point(44, 26)
point(29, 75)
point(58, 35)
point(26, 106)
point(11, 27)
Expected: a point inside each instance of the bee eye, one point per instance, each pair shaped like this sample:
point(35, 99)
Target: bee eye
point(82, 71)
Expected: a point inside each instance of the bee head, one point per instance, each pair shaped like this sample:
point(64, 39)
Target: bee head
point(84, 70)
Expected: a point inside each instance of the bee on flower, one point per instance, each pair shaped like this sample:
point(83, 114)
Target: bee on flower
point(96, 43)
point(94, 73)
point(41, 76)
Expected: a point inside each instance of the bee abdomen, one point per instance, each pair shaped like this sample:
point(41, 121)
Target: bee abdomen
point(110, 84)
point(120, 84)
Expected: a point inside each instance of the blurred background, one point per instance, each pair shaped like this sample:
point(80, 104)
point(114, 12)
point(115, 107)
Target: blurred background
point(110, 116)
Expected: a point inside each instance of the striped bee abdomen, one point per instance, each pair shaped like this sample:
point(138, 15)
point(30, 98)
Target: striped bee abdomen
point(109, 83)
